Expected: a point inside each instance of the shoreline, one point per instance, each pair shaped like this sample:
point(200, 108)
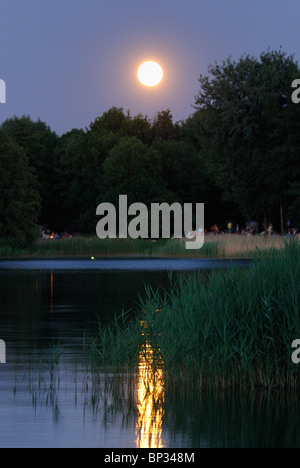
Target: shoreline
point(224, 246)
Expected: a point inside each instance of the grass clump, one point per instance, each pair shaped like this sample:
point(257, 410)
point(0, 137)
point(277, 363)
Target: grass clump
point(233, 329)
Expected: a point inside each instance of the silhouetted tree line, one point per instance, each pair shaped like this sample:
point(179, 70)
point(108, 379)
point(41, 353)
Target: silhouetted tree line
point(238, 153)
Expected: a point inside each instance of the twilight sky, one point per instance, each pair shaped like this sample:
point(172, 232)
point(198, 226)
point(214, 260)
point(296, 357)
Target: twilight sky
point(68, 61)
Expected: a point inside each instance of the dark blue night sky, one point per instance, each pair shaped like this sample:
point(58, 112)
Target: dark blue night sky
point(68, 61)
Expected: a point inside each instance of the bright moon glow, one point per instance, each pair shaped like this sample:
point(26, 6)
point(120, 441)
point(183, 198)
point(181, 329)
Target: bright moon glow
point(150, 74)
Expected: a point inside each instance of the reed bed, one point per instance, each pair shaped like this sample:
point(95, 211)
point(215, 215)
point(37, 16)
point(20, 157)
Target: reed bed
point(232, 246)
point(233, 328)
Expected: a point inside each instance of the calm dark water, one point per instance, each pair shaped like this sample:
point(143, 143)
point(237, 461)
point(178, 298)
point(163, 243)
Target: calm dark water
point(46, 302)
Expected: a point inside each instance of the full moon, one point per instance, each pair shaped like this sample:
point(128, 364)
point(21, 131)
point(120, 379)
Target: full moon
point(150, 73)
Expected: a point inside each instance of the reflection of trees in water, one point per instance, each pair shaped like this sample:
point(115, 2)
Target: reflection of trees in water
point(160, 415)
point(201, 418)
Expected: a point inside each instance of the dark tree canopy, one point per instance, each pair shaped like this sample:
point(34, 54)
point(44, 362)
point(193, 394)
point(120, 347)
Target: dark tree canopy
point(248, 126)
point(135, 170)
point(19, 198)
point(39, 144)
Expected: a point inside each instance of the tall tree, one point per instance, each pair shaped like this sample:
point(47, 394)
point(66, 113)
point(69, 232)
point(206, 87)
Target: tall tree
point(183, 171)
point(163, 128)
point(248, 129)
point(39, 144)
point(19, 198)
point(81, 162)
point(134, 169)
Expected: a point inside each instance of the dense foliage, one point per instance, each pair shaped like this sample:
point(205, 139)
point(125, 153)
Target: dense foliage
point(249, 128)
point(19, 198)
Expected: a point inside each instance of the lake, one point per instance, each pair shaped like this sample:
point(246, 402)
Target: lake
point(48, 305)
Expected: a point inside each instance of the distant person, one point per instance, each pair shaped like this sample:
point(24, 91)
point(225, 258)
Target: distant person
point(216, 229)
point(229, 226)
point(270, 229)
point(237, 229)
